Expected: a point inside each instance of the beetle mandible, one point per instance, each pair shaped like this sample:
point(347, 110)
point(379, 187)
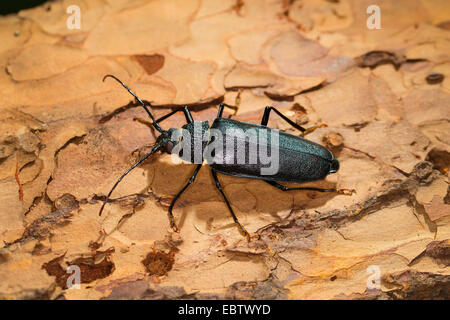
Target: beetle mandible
point(300, 160)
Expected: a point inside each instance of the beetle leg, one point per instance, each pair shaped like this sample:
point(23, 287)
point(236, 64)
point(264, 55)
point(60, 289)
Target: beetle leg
point(348, 192)
point(218, 186)
point(313, 128)
point(172, 204)
point(237, 102)
point(265, 118)
point(186, 111)
point(221, 106)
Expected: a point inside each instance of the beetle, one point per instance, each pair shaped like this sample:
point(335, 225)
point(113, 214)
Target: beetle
point(299, 160)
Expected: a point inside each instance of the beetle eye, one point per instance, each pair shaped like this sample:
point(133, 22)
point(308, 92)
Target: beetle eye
point(169, 147)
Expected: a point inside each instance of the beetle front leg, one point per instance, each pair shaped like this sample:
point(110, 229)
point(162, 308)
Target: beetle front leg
point(219, 187)
point(347, 192)
point(151, 125)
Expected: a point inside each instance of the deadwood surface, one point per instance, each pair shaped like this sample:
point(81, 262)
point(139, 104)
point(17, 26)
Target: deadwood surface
point(66, 136)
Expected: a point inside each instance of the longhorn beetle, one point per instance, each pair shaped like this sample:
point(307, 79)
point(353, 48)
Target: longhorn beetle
point(300, 160)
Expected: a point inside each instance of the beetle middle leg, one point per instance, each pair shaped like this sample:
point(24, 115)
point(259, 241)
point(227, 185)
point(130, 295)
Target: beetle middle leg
point(305, 131)
point(172, 204)
point(219, 187)
point(284, 188)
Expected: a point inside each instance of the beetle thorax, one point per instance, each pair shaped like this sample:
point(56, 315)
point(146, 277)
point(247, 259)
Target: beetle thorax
point(187, 142)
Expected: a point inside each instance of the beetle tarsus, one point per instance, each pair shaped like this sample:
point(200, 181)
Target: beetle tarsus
point(242, 229)
point(244, 232)
point(174, 227)
point(253, 237)
point(313, 128)
point(347, 192)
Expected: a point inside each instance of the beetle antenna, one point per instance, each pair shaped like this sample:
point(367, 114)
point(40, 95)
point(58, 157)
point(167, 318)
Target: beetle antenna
point(155, 124)
point(156, 148)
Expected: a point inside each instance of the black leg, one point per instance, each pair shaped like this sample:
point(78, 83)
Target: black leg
point(186, 111)
point(284, 188)
point(172, 204)
point(237, 102)
point(218, 186)
point(305, 131)
point(156, 148)
point(149, 124)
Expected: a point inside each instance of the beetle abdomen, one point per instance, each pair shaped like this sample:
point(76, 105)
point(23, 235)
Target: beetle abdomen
point(295, 159)
point(292, 167)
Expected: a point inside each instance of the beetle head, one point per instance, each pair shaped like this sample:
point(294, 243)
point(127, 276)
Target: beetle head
point(164, 140)
point(168, 139)
point(191, 136)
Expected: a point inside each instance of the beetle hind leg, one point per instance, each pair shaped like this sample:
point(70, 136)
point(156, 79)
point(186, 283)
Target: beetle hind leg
point(219, 187)
point(237, 102)
point(348, 192)
point(304, 131)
